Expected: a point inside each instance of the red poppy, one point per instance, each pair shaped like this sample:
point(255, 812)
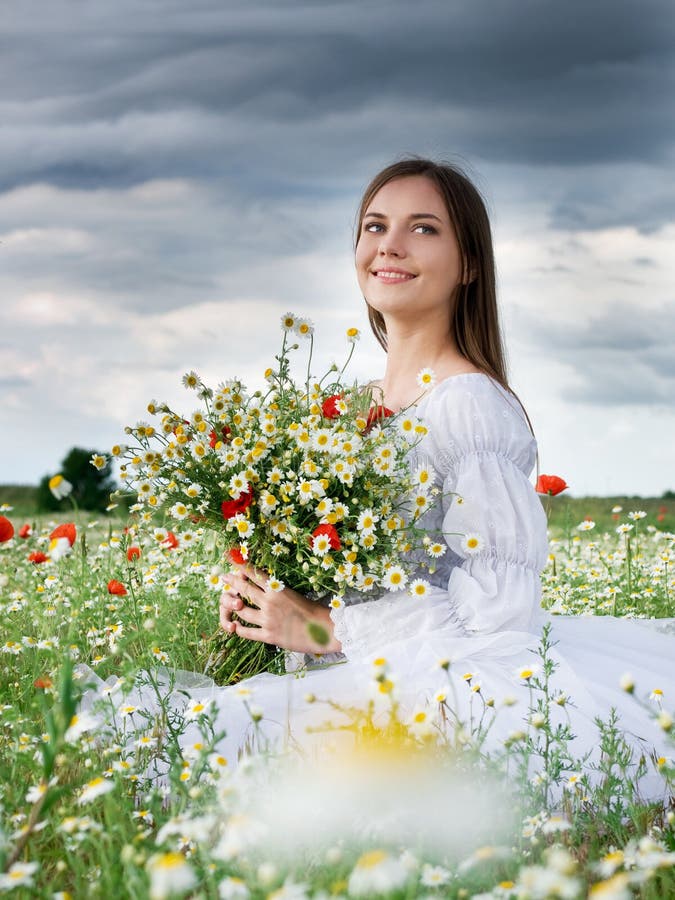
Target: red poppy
point(329, 408)
point(375, 414)
point(45, 682)
point(25, 531)
point(237, 557)
point(6, 530)
point(230, 508)
point(551, 485)
point(66, 530)
point(226, 432)
point(331, 533)
point(171, 541)
point(116, 588)
point(133, 553)
point(38, 557)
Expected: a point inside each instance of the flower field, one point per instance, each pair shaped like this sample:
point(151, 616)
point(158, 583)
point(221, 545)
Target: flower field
point(81, 817)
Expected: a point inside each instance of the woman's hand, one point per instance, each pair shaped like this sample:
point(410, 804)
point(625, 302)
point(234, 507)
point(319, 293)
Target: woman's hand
point(282, 617)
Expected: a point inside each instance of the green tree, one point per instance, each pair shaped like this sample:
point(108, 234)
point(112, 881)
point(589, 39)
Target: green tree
point(91, 486)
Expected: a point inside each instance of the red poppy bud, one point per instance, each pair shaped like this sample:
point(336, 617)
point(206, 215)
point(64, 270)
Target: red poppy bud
point(237, 557)
point(66, 530)
point(331, 533)
point(38, 557)
point(550, 484)
point(230, 508)
point(133, 553)
point(226, 432)
point(44, 683)
point(171, 541)
point(6, 530)
point(25, 531)
point(116, 588)
point(375, 414)
point(329, 408)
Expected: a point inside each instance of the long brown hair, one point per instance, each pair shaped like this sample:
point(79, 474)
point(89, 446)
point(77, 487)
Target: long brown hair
point(475, 321)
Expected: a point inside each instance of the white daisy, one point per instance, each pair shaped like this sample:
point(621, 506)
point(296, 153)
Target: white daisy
point(394, 578)
point(472, 543)
point(419, 588)
point(426, 378)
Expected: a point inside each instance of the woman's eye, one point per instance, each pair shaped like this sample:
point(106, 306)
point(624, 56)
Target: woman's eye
point(428, 229)
point(371, 226)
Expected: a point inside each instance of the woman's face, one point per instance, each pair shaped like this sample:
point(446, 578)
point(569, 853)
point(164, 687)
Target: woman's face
point(407, 258)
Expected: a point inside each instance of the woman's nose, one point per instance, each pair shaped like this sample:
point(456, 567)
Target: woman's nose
point(391, 245)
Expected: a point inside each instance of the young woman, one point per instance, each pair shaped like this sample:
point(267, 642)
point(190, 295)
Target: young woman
point(424, 263)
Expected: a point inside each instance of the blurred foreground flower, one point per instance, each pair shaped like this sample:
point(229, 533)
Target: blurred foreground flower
point(59, 487)
point(6, 530)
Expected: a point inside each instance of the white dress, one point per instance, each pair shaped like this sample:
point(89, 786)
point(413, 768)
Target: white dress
point(483, 613)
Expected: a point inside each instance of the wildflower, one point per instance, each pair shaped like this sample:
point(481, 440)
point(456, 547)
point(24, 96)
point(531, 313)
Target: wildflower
point(426, 378)
point(65, 530)
point(19, 875)
point(377, 872)
point(191, 380)
point(394, 578)
point(170, 873)
point(331, 408)
point(665, 720)
point(551, 485)
point(133, 553)
point(526, 672)
point(274, 584)
point(367, 521)
point(657, 695)
point(436, 550)
point(353, 335)
point(79, 724)
point(93, 789)
point(60, 487)
point(288, 321)
point(6, 530)
point(116, 588)
point(420, 588)
point(586, 525)
point(472, 543)
point(624, 529)
point(304, 327)
point(375, 415)
point(615, 888)
point(330, 533)
point(37, 557)
point(195, 709)
point(232, 888)
point(58, 548)
point(434, 876)
point(25, 531)
point(98, 462)
point(626, 683)
point(290, 890)
point(231, 508)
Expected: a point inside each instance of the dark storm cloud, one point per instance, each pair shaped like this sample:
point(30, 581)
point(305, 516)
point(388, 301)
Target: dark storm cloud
point(623, 356)
point(113, 94)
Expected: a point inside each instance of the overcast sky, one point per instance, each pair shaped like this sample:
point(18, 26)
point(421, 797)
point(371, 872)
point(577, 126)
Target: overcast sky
point(174, 176)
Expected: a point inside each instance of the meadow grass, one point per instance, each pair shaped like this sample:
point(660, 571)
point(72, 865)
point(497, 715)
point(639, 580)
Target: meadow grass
point(81, 817)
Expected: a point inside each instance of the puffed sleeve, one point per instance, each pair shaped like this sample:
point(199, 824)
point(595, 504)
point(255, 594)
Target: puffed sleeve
point(482, 452)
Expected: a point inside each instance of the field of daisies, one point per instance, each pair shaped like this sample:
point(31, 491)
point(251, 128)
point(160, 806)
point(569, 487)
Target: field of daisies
point(405, 813)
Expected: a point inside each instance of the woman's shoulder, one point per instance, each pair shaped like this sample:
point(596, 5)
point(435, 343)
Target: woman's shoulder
point(472, 412)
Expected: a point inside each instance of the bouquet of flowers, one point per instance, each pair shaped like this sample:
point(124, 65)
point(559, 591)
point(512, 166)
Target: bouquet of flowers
point(310, 483)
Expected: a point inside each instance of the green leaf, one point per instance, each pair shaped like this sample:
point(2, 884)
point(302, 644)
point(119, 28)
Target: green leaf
point(318, 633)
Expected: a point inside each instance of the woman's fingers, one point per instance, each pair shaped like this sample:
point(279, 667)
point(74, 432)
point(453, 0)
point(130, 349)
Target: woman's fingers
point(239, 583)
point(257, 576)
point(253, 634)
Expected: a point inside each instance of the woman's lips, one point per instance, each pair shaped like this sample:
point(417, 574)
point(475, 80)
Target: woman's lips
point(392, 276)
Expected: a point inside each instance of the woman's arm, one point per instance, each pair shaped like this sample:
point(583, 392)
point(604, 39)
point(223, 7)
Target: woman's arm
point(284, 618)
